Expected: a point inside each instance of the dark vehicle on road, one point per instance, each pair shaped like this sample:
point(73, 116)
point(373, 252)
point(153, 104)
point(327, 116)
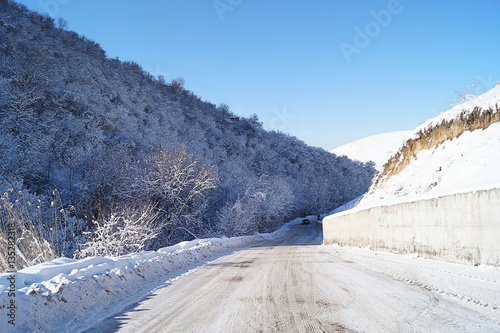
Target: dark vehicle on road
point(305, 221)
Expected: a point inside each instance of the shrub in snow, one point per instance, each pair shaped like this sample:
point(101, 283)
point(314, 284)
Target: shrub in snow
point(126, 230)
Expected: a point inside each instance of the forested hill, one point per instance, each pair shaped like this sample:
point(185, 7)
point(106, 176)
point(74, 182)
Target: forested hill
point(107, 134)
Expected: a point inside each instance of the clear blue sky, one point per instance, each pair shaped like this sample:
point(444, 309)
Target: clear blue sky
point(303, 66)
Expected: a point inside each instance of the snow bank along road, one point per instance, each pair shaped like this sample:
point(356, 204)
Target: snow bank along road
point(295, 284)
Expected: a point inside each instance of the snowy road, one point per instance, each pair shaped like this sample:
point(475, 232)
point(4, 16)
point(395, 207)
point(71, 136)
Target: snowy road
point(298, 285)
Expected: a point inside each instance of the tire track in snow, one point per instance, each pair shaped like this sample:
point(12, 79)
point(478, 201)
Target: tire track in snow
point(412, 274)
point(298, 285)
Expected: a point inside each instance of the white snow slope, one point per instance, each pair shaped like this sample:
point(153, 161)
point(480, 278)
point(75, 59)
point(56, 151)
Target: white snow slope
point(68, 295)
point(377, 148)
point(465, 164)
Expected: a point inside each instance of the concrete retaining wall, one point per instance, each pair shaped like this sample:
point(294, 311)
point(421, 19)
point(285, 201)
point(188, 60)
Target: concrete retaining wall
point(463, 228)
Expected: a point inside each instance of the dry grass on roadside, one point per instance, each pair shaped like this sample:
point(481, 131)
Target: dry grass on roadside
point(25, 240)
point(431, 137)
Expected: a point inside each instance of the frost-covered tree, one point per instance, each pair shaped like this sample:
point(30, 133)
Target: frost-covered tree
point(20, 91)
point(125, 230)
point(237, 218)
point(178, 184)
point(262, 208)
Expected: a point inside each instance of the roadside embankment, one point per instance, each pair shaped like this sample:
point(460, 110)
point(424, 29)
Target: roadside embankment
point(69, 295)
point(462, 228)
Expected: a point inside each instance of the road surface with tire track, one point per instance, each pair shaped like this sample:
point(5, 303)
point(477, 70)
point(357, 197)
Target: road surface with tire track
point(295, 284)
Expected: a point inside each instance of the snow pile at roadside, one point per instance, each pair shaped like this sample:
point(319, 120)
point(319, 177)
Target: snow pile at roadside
point(69, 295)
point(464, 164)
point(377, 148)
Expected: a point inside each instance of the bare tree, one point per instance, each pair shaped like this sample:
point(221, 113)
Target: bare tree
point(178, 183)
point(260, 209)
point(238, 218)
point(19, 94)
point(62, 23)
point(178, 82)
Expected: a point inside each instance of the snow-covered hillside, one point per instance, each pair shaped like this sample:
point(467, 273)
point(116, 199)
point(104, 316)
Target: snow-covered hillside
point(377, 148)
point(466, 163)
